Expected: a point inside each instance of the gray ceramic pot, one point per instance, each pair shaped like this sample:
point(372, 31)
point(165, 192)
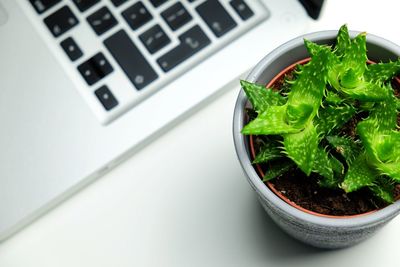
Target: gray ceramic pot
point(318, 231)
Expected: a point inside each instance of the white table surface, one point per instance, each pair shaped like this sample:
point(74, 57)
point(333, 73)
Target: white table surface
point(183, 200)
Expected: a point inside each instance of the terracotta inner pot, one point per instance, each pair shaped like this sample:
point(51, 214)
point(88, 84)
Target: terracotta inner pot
point(259, 169)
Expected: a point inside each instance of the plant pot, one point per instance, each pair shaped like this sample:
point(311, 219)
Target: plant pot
point(309, 227)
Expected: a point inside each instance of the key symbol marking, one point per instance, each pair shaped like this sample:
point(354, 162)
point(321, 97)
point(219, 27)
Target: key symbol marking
point(139, 79)
point(192, 43)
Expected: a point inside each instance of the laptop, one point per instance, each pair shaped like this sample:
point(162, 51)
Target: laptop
point(86, 83)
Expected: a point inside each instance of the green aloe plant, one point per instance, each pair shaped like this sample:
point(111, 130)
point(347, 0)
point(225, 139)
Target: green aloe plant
point(303, 126)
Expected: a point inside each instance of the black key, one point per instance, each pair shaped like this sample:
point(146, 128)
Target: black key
point(84, 5)
point(192, 42)
point(106, 98)
point(137, 15)
point(88, 73)
point(61, 21)
point(176, 16)
point(95, 68)
point(101, 65)
point(102, 20)
point(117, 3)
point(130, 59)
point(43, 5)
point(216, 17)
point(157, 3)
point(71, 49)
point(242, 9)
point(154, 39)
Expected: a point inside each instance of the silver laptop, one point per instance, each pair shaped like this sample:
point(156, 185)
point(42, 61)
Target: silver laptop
point(85, 83)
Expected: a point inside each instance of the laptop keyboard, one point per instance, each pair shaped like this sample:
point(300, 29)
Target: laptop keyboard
point(146, 41)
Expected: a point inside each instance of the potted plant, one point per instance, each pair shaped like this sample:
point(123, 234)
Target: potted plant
point(325, 129)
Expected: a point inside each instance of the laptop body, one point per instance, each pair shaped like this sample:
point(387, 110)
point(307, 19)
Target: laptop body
point(57, 136)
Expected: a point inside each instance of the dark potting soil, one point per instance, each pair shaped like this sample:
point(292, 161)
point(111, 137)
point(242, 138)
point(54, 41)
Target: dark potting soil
point(305, 192)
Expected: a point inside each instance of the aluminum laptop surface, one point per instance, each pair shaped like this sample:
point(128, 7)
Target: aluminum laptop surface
point(55, 138)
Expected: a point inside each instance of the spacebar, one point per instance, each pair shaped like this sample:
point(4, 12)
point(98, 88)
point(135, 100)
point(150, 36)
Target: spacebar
point(131, 60)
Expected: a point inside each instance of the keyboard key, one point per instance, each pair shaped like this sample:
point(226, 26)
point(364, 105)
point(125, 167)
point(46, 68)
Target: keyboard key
point(106, 98)
point(71, 49)
point(131, 60)
point(191, 42)
point(157, 3)
point(84, 5)
point(216, 17)
point(88, 73)
point(95, 68)
point(101, 65)
point(117, 3)
point(102, 20)
point(43, 5)
point(154, 39)
point(137, 15)
point(242, 9)
point(176, 16)
point(61, 21)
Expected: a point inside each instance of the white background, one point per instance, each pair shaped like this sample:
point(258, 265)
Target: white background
point(183, 200)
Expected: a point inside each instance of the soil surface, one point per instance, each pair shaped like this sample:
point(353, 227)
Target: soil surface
point(306, 193)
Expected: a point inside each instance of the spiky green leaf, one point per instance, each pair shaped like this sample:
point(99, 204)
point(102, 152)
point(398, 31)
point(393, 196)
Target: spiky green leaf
point(302, 147)
point(333, 98)
point(385, 113)
point(333, 117)
point(299, 115)
point(271, 121)
point(329, 168)
point(278, 168)
point(260, 97)
point(345, 146)
point(359, 175)
point(367, 91)
point(343, 41)
point(383, 189)
point(268, 151)
point(382, 146)
point(391, 169)
point(382, 72)
point(308, 89)
point(355, 57)
point(398, 104)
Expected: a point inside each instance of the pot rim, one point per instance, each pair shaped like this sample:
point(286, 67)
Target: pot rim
point(243, 153)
